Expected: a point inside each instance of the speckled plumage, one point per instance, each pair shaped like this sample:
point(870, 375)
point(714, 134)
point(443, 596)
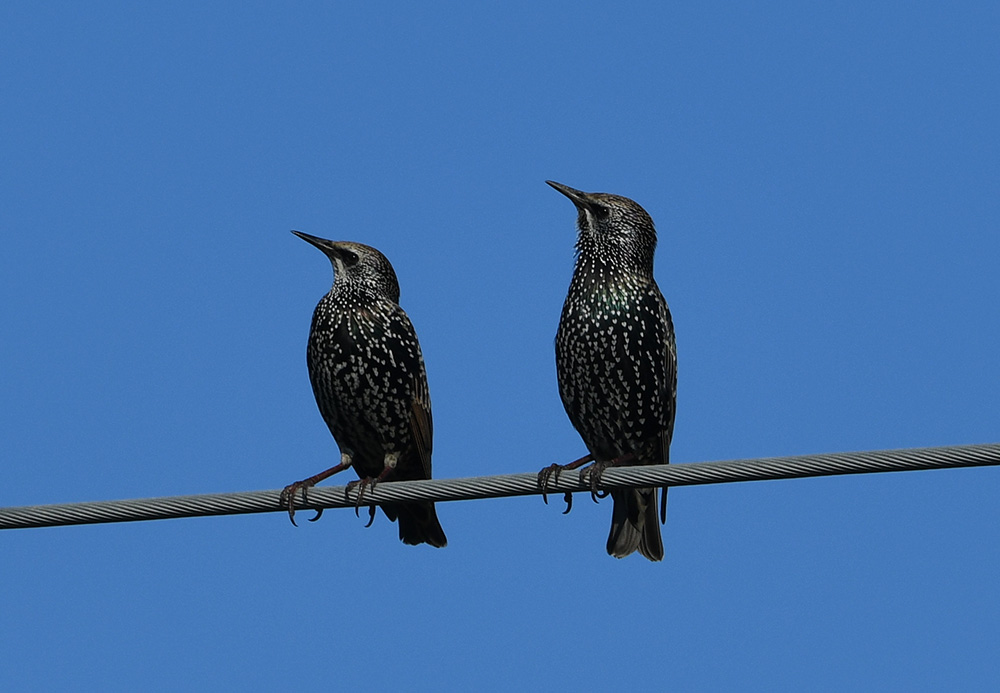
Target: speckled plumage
point(616, 358)
point(368, 376)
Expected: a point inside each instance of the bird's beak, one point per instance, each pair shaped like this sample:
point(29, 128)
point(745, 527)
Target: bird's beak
point(580, 199)
point(329, 248)
point(320, 243)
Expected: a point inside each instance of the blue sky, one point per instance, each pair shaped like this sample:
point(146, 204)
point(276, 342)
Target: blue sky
point(824, 179)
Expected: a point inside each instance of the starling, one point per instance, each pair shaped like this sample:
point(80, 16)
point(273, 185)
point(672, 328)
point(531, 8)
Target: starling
point(368, 376)
point(616, 359)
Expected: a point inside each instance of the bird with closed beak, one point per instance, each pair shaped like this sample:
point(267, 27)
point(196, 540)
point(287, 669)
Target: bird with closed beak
point(368, 376)
point(616, 360)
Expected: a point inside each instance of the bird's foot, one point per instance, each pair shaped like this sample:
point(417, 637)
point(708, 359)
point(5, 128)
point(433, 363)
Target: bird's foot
point(551, 474)
point(287, 498)
point(548, 473)
point(363, 485)
point(594, 472)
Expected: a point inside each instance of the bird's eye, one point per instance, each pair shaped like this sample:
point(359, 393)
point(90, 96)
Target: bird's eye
point(350, 259)
point(601, 212)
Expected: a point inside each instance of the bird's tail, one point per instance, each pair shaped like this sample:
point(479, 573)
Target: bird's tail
point(418, 523)
point(634, 524)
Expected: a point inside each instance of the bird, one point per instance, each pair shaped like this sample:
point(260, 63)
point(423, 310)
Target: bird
point(368, 376)
point(616, 361)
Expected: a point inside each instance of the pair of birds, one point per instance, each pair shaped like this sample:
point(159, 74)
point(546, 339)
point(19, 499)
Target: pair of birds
point(616, 362)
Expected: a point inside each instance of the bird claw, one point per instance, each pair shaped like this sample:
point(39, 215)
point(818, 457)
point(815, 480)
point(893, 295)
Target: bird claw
point(550, 473)
point(595, 471)
point(287, 499)
point(357, 501)
point(362, 485)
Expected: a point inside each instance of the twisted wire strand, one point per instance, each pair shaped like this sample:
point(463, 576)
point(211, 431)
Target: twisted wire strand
point(474, 488)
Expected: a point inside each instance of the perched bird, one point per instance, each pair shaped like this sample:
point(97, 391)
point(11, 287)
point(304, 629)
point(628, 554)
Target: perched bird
point(616, 360)
point(368, 376)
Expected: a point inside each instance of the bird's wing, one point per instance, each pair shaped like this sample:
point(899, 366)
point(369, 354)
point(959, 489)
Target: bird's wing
point(421, 421)
point(670, 375)
point(654, 346)
point(422, 427)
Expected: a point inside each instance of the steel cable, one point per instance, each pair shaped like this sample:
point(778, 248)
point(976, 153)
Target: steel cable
point(473, 488)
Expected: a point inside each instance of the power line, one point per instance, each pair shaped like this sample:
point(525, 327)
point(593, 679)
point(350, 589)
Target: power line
point(474, 488)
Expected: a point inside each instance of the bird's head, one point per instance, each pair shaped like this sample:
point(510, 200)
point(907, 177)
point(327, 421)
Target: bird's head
point(612, 227)
point(357, 267)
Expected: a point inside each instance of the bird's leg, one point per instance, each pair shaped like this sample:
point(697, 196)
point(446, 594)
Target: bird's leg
point(287, 497)
point(596, 470)
point(390, 466)
point(552, 472)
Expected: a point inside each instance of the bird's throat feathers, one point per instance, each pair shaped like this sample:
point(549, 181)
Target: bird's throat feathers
point(611, 267)
point(626, 253)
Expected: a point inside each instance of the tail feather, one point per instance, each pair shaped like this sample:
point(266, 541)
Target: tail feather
point(634, 524)
point(418, 523)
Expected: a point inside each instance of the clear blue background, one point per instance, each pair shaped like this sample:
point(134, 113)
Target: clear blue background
point(825, 178)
